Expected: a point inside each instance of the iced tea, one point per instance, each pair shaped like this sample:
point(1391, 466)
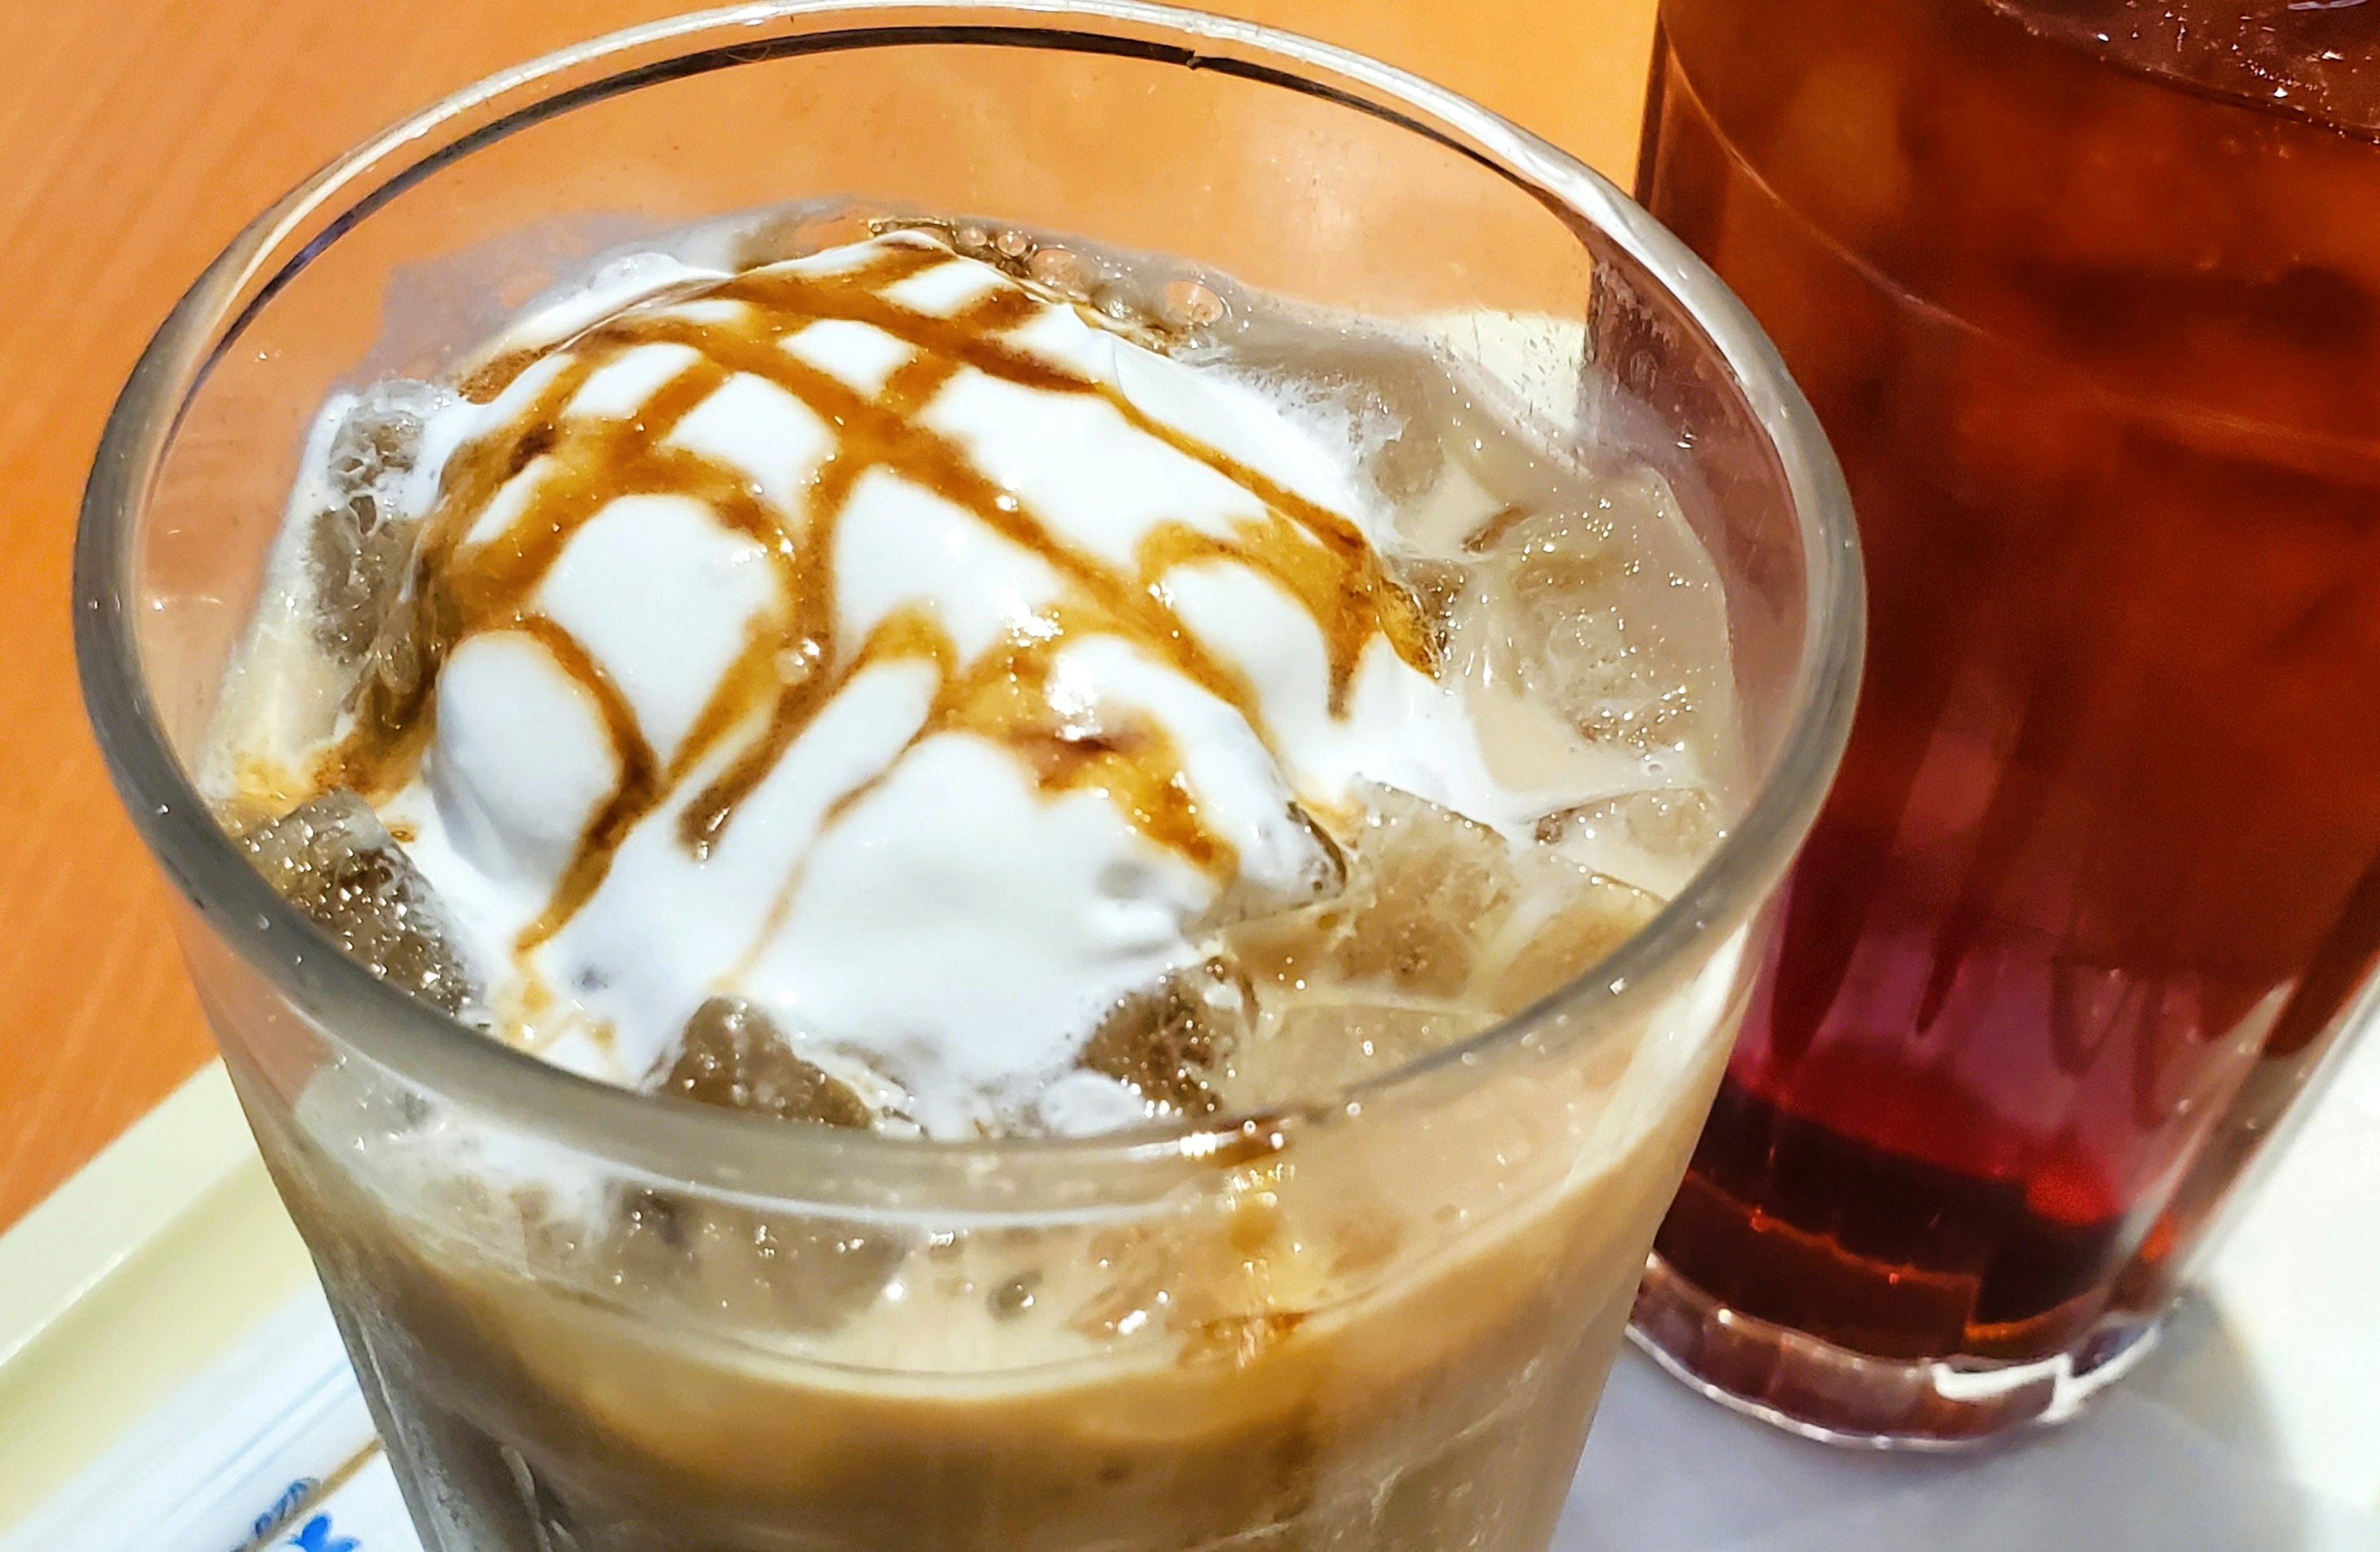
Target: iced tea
point(2088, 298)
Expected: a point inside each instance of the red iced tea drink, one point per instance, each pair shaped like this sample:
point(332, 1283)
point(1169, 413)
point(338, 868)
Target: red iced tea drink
point(2088, 298)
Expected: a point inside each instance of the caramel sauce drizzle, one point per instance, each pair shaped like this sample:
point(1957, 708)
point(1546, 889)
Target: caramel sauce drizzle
point(791, 664)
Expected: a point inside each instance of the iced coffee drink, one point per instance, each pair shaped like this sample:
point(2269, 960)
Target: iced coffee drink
point(959, 685)
point(885, 878)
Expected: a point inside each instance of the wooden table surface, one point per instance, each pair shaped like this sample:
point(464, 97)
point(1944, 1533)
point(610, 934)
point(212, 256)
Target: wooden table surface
point(135, 136)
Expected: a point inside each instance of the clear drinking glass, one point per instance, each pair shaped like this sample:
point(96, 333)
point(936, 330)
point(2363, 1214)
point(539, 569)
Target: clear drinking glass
point(1378, 1323)
point(2084, 293)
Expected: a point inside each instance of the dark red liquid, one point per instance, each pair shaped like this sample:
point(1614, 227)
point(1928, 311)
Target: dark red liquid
point(2094, 328)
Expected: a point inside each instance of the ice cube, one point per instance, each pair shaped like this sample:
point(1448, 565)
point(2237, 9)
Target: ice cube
point(1557, 553)
point(1423, 884)
point(1290, 948)
point(1136, 1264)
point(1583, 658)
point(361, 544)
point(1407, 464)
point(1664, 719)
point(1231, 1283)
point(774, 1269)
point(1576, 621)
point(1666, 822)
point(1321, 875)
point(334, 860)
point(1167, 1044)
point(1849, 117)
point(733, 1056)
point(1382, 399)
point(396, 673)
point(1436, 588)
point(1576, 916)
point(1431, 880)
point(1323, 1045)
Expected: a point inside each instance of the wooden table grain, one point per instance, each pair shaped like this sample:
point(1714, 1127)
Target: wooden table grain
point(135, 136)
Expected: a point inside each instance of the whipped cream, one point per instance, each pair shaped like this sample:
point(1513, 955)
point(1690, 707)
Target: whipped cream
point(1067, 708)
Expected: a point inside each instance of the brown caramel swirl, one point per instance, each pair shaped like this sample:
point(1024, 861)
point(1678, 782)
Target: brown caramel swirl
point(792, 661)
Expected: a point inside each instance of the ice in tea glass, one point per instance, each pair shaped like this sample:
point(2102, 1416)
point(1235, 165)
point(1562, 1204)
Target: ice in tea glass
point(2088, 298)
point(1424, 1385)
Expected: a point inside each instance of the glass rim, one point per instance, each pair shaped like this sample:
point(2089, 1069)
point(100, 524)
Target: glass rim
point(678, 1138)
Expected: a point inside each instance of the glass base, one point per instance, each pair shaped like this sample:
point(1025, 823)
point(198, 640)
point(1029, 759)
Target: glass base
point(1834, 1396)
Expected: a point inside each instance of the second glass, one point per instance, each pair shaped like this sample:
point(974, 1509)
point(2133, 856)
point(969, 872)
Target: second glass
point(2084, 295)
